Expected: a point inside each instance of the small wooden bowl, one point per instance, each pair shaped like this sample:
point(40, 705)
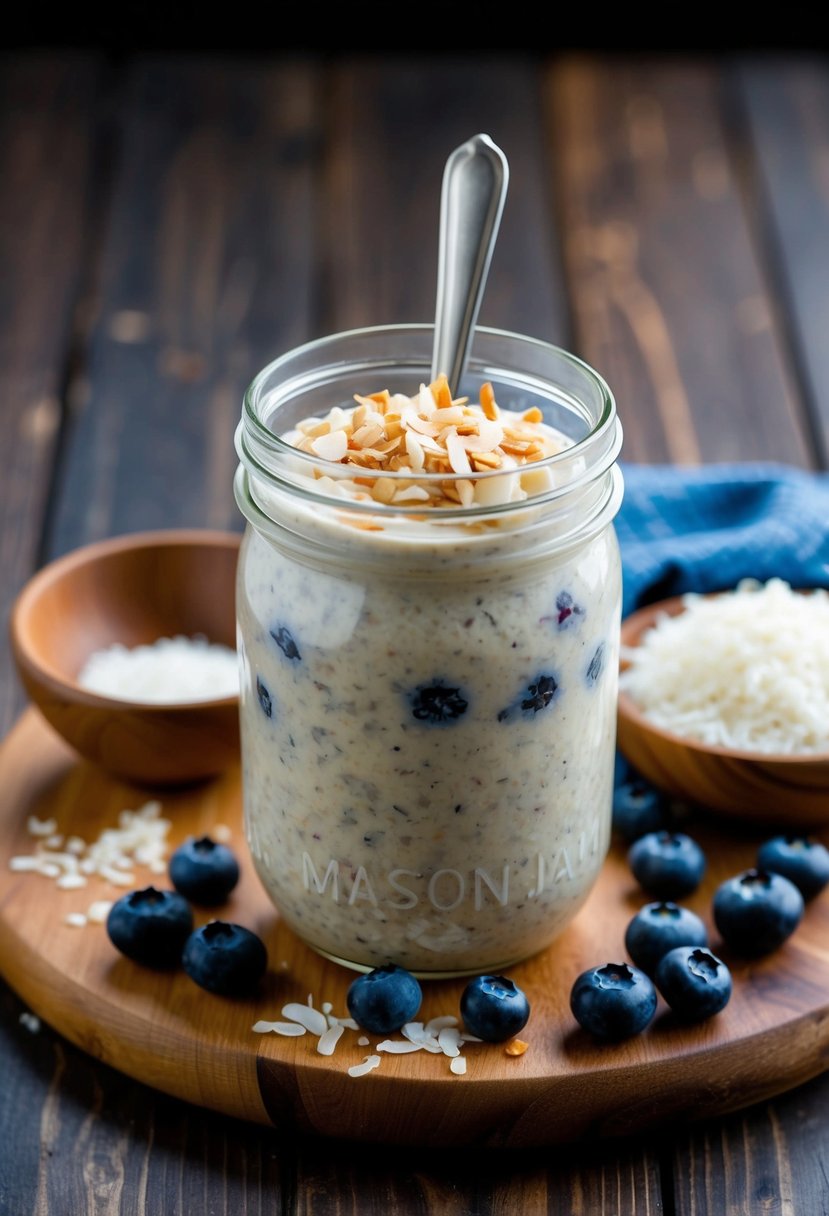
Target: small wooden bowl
point(782, 791)
point(131, 589)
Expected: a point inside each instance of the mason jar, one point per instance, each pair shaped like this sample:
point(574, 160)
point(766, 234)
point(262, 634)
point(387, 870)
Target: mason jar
point(428, 696)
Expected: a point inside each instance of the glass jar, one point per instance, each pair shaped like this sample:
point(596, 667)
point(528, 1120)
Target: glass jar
point(428, 699)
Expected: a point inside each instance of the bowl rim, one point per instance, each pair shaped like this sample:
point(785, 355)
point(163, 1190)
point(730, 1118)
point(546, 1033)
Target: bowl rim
point(637, 623)
point(60, 685)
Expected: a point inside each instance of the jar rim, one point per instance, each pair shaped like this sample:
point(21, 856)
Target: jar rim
point(597, 449)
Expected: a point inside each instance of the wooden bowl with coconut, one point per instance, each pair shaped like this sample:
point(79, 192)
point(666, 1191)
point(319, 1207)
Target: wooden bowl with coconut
point(724, 701)
point(128, 648)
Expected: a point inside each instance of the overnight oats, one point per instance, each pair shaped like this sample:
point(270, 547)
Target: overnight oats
point(428, 605)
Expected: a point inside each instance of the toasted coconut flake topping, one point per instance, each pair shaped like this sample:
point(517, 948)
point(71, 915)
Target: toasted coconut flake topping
point(430, 433)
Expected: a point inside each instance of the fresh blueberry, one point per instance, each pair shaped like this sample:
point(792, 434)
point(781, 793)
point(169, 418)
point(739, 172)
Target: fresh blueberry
point(437, 703)
point(150, 926)
point(803, 861)
point(639, 808)
point(596, 665)
point(659, 927)
point(695, 983)
point(226, 959)
point(265, 699)
point(383, 1000)
point(668, 864)
point(494, 1008)
point(204, 871)
point(613, 1001)
point(567, 610)
point(285, 641)
point(756, 911)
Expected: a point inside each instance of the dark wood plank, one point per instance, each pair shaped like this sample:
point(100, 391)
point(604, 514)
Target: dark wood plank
point(787, 106)
point(206, 275)
point(773, 1158)
point(98, 1142)
point(585, 1180)
point(46, 102)
point(669, 288)
point(394, 123)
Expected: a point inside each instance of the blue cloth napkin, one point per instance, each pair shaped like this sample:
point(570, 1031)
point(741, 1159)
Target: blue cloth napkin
point(704, 528)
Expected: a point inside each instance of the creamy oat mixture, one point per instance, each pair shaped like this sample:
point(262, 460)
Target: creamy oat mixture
point(428, 716)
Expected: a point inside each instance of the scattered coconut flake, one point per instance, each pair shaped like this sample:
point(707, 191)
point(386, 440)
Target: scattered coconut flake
point(362, 1041)
point(41, 827)
point(457, 1065)
point(435, 1025)
point(76, 920)
point(329, 1039)
point(54, 842)
point(290, 1029)
point(30, 1021)
point(307, 1016)
point(98, 911)
point(449, 1039)
point(71, 882)
point(399, 1047)
point(360, 1070)
point(221, 833)
point(326, 1007)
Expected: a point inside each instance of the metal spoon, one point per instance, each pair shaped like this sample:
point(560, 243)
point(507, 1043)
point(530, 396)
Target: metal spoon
point(472, 199)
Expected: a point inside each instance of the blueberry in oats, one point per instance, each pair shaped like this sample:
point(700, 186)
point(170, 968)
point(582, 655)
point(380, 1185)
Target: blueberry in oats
point(285, 641)
point(596, 665)
point(265, 699)
point(536, 696)
point(438, 703)
point(567, 610)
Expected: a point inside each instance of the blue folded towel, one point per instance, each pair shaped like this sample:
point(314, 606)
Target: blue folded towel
point(704, 528)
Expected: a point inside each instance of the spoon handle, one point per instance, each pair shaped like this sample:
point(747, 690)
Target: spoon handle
point(472, 199)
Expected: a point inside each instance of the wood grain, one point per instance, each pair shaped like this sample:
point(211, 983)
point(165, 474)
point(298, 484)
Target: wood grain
point(163, 1029)
point(46, 147)
point(670, 295)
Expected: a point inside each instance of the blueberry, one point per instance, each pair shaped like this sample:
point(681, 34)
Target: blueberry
point(803, 861)
point(756, 911)
point(534, 698)
point(285, 641)
point(437, 703)
point(695, 983)
point(638, 808)
point(150, 926)
point(265, 699)
point(226, 959)
point(567, 610)
point(659, 927)
point(669, 865)
point(613, 1001)
point(203, 871)
point(494, 1008)
point(383, 1000)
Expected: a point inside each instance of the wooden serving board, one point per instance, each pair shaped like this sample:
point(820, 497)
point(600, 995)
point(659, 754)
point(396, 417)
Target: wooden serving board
point(165, 1031)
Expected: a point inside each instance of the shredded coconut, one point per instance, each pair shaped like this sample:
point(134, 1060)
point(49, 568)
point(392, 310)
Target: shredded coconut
point(360, 1070)
point(139, 839)
point(746, 669)
point(170, 671)
point(458, 1065)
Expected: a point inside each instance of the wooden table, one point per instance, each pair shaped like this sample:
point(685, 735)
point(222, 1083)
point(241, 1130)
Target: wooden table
point(169, 225)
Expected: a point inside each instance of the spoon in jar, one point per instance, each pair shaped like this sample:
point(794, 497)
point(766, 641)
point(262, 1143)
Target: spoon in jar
point(474, 188)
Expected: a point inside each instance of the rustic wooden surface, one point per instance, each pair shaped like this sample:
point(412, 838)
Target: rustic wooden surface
point(169, 224)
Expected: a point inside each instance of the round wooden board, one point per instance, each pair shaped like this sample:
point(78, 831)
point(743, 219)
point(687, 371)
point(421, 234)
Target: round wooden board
point(165, 1031)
